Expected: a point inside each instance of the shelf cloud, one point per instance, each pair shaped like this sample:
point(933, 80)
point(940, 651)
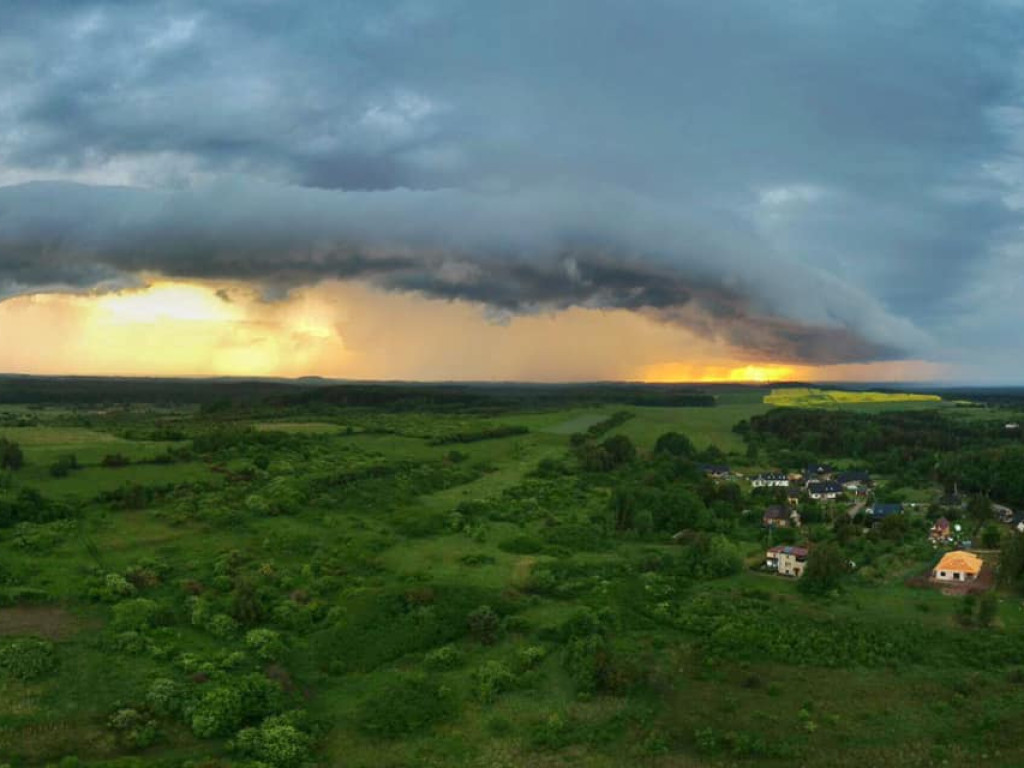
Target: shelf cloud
point(817, 182)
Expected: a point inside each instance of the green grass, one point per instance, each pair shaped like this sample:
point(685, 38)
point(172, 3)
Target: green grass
point(704, 426)
point(344, 550)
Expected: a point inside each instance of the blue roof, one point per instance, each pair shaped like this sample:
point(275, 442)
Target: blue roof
point(879, 511)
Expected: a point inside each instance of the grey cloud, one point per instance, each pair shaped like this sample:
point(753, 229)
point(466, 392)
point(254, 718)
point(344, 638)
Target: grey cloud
point(530, 155)
point(525, 252)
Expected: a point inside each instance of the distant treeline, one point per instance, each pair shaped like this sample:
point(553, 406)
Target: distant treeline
point(481, 434)
point(87, 390)
point(226, 395)
point(494, 397)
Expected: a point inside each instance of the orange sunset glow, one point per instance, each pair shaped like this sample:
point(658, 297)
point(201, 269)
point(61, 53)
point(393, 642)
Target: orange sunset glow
point(351, 330)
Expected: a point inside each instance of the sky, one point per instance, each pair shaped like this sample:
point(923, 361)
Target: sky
point(456, 189)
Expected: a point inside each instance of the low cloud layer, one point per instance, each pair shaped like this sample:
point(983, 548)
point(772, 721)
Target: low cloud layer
point(819, 182)
point(515, 253)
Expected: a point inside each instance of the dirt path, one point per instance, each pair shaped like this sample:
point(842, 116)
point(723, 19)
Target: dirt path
point(38, 620)
point(521, 572)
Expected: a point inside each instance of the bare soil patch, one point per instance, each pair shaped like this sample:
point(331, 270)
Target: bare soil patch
point(46, 621)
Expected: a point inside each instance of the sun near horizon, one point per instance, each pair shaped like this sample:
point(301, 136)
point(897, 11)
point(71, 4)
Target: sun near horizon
point(172, 327)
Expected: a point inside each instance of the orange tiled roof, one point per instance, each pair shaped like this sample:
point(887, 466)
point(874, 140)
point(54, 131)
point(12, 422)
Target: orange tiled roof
point(964, 562)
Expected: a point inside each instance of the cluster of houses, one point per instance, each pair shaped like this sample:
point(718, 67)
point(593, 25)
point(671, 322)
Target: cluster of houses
point(821, 482)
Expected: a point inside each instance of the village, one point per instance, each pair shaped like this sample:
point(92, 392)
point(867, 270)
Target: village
point(833, 494)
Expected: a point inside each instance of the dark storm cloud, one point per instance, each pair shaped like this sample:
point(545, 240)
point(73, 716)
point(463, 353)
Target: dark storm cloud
point(819, 180)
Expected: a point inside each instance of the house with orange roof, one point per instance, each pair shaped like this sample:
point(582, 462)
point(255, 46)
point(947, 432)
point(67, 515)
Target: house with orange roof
point(957, 567)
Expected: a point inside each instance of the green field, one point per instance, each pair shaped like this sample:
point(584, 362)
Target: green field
point(277, 590)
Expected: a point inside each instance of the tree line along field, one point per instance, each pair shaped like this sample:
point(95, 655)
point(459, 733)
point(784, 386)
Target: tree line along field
point(528, 582)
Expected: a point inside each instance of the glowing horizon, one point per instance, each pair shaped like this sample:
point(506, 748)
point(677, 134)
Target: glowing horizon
point(348, 330)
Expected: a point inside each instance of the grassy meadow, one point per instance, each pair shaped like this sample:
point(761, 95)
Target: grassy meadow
point(357, 586)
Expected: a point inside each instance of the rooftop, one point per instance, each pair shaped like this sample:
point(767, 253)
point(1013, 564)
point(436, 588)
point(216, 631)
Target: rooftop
point(964, 562)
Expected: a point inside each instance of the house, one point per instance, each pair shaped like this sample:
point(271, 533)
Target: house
point(953, 500)
point(1018, 522)
point(780, 517)
point(878, 512)
point(770, 480)
point(1002, 513)
point(793, 496)
point(855, 481)
point(717, 471)
point(820, 471)
point(941, 531)
point(957, 567)
point(824, 490)
point(787, 560)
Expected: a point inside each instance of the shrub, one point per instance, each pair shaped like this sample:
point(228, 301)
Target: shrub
point(265, 643)
point(114, 587)
point(11, 456)
point(115, 460)
point(445, 657)
point(275, 742)
point(410, 704)
point(221, 625)
point(27, 659)
point(225, 707)
point(217, 713)
point(165, 697)
point(521, 545)
point(491, 679)
point(63, 466)
point(133, 728)
point(484, 624)
point(137, 614)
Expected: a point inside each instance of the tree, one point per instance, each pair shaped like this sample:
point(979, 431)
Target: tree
point(620, 448)
point(987, 609)
point(979, 510)
point(483, 624)
point(675, 444)
point(1011, 560)
point(826, 566)
point(11, 456)
point(990, 536)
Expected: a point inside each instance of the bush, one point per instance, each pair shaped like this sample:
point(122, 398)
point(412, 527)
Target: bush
point(133, 728)
point(27, 659)
point(165, 697)
point(113, 588)
point(11, 456)
point(491, 679)
point(115, 460)
point(484, 624)
point(445, 657)
point(223, 708)
point(63, 466)
point(218, 712)
point(410, 704)
point(275, 742)
point(521, 545)
point(221, 625)
point(137, 614)
point(265, 643)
